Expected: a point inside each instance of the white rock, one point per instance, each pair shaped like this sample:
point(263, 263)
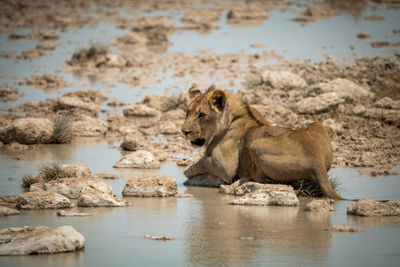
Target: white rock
point(39, 240)
point(42, 200)
point(140, 110)
point(268, 195)
point(5, 211)
point(150, 186)
point(320, 104)
point(73, 187)
point(283, 79)
point(140, 159)
point(347, 87)
point(95, 198)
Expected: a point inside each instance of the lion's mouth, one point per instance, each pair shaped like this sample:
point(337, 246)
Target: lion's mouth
point(198, 141)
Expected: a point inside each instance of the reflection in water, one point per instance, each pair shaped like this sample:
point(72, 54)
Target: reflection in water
point(220, 233)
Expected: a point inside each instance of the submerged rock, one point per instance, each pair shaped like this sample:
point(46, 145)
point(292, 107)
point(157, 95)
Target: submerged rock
point(283, 79)
point(320, 205)
point(371, 207)
point(105, 176)
point(5, 211)
point(96, 198)
point(204, 180)
point(150, 186)
point(159, 238)
point(28, 131)
point(344, 229)
point(140, 159)
point(42, 200)
point(39, 240)
point(63, 213)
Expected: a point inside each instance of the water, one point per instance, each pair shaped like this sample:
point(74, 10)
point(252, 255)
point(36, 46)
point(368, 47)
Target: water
point(206, 230)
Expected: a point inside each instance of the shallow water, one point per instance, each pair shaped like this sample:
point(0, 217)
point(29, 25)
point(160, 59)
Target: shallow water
point(206, 230)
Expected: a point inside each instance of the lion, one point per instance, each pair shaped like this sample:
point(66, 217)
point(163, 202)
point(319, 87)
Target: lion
point(239, 142)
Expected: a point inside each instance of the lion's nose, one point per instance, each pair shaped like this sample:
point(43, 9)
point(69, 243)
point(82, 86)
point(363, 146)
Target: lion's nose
point(186, 132)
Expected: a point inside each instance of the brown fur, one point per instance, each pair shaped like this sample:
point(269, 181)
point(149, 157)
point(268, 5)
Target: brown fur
point(240, 142)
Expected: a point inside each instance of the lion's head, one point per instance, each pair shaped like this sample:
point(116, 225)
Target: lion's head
point(204, 115)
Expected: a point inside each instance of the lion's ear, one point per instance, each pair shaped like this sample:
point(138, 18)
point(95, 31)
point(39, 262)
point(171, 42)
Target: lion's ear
point(194, 92)
point(218, 100)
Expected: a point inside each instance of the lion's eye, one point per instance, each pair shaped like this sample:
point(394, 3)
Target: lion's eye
point(201, 115)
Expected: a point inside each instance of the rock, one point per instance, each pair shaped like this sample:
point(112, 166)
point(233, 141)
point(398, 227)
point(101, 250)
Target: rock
point(203, 180)
point(88, 96)
point(63, 213)
point(344, 229)
point(359, 110)
point(42, 200)
point(387, 103)
point(78, 170)
point(283, 79)
point(174, 114)
point(140, 110)
point(105, 176)
point(73, 188)
point(9, 94)
point(161, 103)
point(346, 87)
point(115, 61)
point(371, 207)
point(238, 14)
point(362, 35)
point(140, 159)
point(168, 127)
point(16, 146)
point(46, 82)
point(96, 198)
point(184, 195)
point(150, 186)
point(240, 187)
point(318, 205)
point(69, 170)
point(70, 102)
point(391, 116)
point(319, 104)
point(88, 126)
point(260, 194)
point(160, 238)
point(9, 200)
point(28, 131)
point(333, 126)
point(129, 131)
point(5, 211)
point(133, 143)
point(39, 240)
